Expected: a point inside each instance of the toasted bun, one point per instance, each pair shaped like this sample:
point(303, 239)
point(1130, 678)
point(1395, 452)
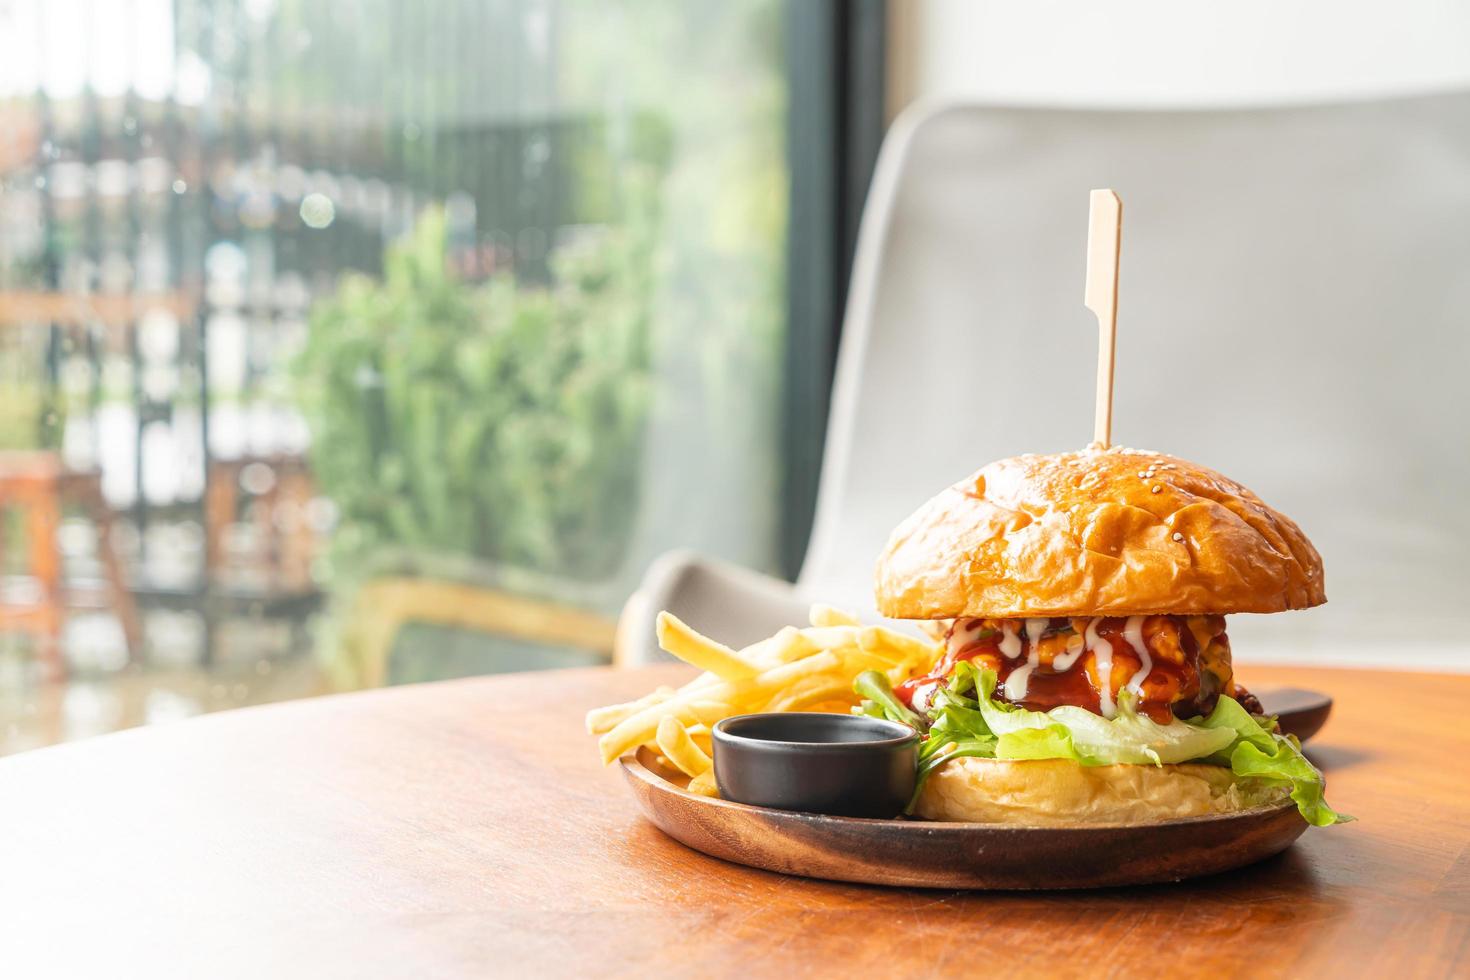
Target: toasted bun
point(1115, 532)
point(1059, 792)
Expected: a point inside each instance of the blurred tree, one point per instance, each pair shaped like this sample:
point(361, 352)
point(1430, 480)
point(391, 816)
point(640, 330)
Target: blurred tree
point(502, 421)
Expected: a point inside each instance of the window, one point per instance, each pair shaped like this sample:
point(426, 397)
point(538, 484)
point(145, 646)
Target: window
point(402, 333)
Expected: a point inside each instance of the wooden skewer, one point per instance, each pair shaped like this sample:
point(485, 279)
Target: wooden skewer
point(1104, 242)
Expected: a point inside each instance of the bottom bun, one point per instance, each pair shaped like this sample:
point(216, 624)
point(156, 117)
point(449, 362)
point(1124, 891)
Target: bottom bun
point(1059, 792)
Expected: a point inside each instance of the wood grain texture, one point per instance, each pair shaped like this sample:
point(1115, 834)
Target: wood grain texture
point(467, 829)
point(957, 855)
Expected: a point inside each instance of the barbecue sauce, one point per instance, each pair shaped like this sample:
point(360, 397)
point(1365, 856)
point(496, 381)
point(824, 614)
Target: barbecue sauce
point(1060, 661)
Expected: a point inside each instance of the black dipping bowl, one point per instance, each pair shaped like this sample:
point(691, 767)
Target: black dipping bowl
point(847, 765)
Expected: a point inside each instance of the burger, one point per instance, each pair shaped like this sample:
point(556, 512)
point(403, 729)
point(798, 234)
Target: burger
point(1086, 673)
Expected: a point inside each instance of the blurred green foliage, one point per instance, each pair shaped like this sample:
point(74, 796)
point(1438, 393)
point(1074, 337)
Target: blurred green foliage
point(22, 413)
point(500, 420)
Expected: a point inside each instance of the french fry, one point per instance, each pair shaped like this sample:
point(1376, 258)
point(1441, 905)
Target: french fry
point(854, 662)
point(787, 645)
point(836, 689)
point(700, 734)
point(832, 637)
point(693, 648)
point(601, 720)
point(704, 784)
point(881, 640)
point(836, 706)
point(676, 745)
point(823, 615)
point(769, 682)
point(795, 670)
point(709, 712)
point(641, 727)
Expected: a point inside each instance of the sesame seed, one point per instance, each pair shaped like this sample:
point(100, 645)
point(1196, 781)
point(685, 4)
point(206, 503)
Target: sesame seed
point(1157, 488)
point(1143, 476)
point(1178, 536)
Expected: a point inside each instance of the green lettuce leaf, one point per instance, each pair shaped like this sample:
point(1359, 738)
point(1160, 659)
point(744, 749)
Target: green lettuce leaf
point(881, 701)
point(1228, 714)
point(1051, 742)
point(1129, 738)
point(1261, 753)
point(955, 729)
point(965, 720)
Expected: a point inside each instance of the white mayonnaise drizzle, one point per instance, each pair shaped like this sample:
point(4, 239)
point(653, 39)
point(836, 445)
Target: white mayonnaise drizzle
point(1075, 648)
point(1034, 630)
point(1133, 633)
point(923, 696)
point(1010, 643)
point(1020, 678)
point(964, 634)
point(1102, 652)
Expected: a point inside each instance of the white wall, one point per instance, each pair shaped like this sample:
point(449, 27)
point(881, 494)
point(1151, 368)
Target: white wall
point(1175, 52)
point(1310, 260)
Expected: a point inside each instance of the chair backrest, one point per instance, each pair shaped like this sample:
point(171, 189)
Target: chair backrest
point(1294, 311)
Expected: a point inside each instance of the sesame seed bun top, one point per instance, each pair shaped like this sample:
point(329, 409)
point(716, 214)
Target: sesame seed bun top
point(1101, 532)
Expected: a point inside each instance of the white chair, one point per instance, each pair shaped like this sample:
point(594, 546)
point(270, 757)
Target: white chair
point(1295, 312)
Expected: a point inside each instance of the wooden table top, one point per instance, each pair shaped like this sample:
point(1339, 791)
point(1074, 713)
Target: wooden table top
point(466, 828)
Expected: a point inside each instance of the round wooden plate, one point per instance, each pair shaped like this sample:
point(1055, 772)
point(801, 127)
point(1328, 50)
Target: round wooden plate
point(1301, 713)
point(956, 855)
